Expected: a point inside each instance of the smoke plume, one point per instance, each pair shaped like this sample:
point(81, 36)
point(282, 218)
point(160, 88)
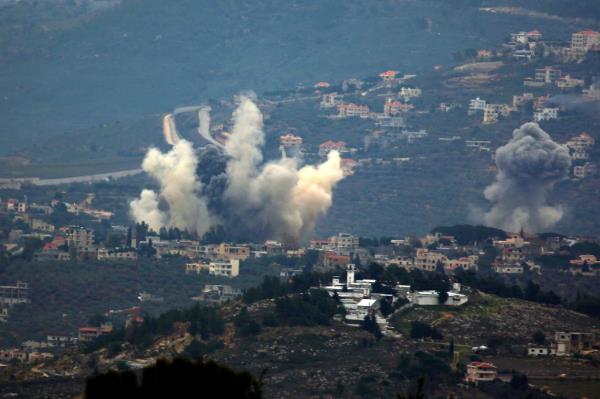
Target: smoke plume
point(529, 166)
point(233, 186)
point(175, 172)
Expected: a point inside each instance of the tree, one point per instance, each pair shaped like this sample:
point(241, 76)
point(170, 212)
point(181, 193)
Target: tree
point(194, 350)
point(385, 306)
point(538, 337)
point(442, 296)
point(420, 330)
point(370, 324)
point(245, 325)
point(31, 245)
point(519, 382)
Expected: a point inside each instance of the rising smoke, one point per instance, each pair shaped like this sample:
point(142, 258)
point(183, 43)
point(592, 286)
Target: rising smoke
point(233, 186)
point(529, 166)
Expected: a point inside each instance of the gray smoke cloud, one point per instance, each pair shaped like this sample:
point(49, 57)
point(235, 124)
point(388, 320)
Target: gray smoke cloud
point(237, 188)
point(571, 102)
point(529, 166)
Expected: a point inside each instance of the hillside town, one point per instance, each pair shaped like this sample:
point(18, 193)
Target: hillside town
point(483, 304)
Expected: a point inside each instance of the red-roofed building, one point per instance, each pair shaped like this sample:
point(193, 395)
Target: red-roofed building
point(330, 145)
point(333, 260)
point(534, 35)
point(321, 85)
point(480, 372)
point(583, 40)
point(89, 334)
point(350, 110)
point(388, 75)
point(290, 140)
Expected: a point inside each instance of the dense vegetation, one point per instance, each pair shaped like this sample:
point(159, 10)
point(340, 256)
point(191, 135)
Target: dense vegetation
point(205, 322)
point(470, 235)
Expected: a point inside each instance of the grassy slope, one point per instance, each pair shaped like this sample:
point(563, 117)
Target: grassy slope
point(145, 57)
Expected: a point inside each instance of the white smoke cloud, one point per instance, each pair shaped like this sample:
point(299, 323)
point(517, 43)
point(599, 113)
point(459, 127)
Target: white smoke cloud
point(529, 166)
point(175, 172)
point(277, 199)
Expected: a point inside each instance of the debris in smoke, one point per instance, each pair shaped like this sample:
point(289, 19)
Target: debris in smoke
point(232, 186)
point(529, 166)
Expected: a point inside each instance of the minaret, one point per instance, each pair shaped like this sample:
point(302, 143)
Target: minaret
point(350, 274)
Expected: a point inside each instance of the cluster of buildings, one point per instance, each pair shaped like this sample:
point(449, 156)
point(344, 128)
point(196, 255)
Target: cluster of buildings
point(565, 343)
point(579, 147)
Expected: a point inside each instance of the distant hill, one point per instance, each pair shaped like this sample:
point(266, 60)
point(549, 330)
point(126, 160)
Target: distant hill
point(66, 67)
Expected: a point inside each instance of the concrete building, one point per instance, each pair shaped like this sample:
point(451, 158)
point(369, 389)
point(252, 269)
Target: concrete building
point(351, 110)
point(344, 243)
point(481, 372)
point(581, 143)
point(585, 170)
point(545, 114)
point(428, 260)
point(547, 74)
point(584, 40)
point(117, 254)
point(89, 334)
point(328, 146)
point(79, 237)
point(229, 251)
point(225, 268)
point(476, 104)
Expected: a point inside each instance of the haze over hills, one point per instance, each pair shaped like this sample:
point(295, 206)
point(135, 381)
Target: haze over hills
point(67, 68)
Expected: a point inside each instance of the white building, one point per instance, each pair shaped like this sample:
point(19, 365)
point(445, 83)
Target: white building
point(344, 243)
point(117, 254)
point(545, 114)
point(476, 104)
point(431, 298)
point(508, 269)
point(226, 268)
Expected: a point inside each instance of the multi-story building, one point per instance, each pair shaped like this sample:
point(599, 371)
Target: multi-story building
point(584, 40)
point(89, 334)
point(428, 260)
point(350, 110)
point(79, 237)
point(582, 171)
point(409, 92)
point(225, 268)
point(519, 101)
point(481, 372)
point(545, 114)
point(329, 100)
point(476, 104)
point(581, 142)
point(490, 116)
point(290, 140)
point(330, 145)
point(14, 294)
point(117, 254)
point(547, 74)
point(228, 251)
point(344, 243)
point(567, 82)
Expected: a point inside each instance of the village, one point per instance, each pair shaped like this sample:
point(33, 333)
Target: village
point(452, 268)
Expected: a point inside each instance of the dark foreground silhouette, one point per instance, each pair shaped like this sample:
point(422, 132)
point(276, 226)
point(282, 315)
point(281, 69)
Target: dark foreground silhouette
point(178, 379)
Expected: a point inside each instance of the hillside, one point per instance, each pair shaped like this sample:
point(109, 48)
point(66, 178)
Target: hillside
point(68, 71)
point(343, 361)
